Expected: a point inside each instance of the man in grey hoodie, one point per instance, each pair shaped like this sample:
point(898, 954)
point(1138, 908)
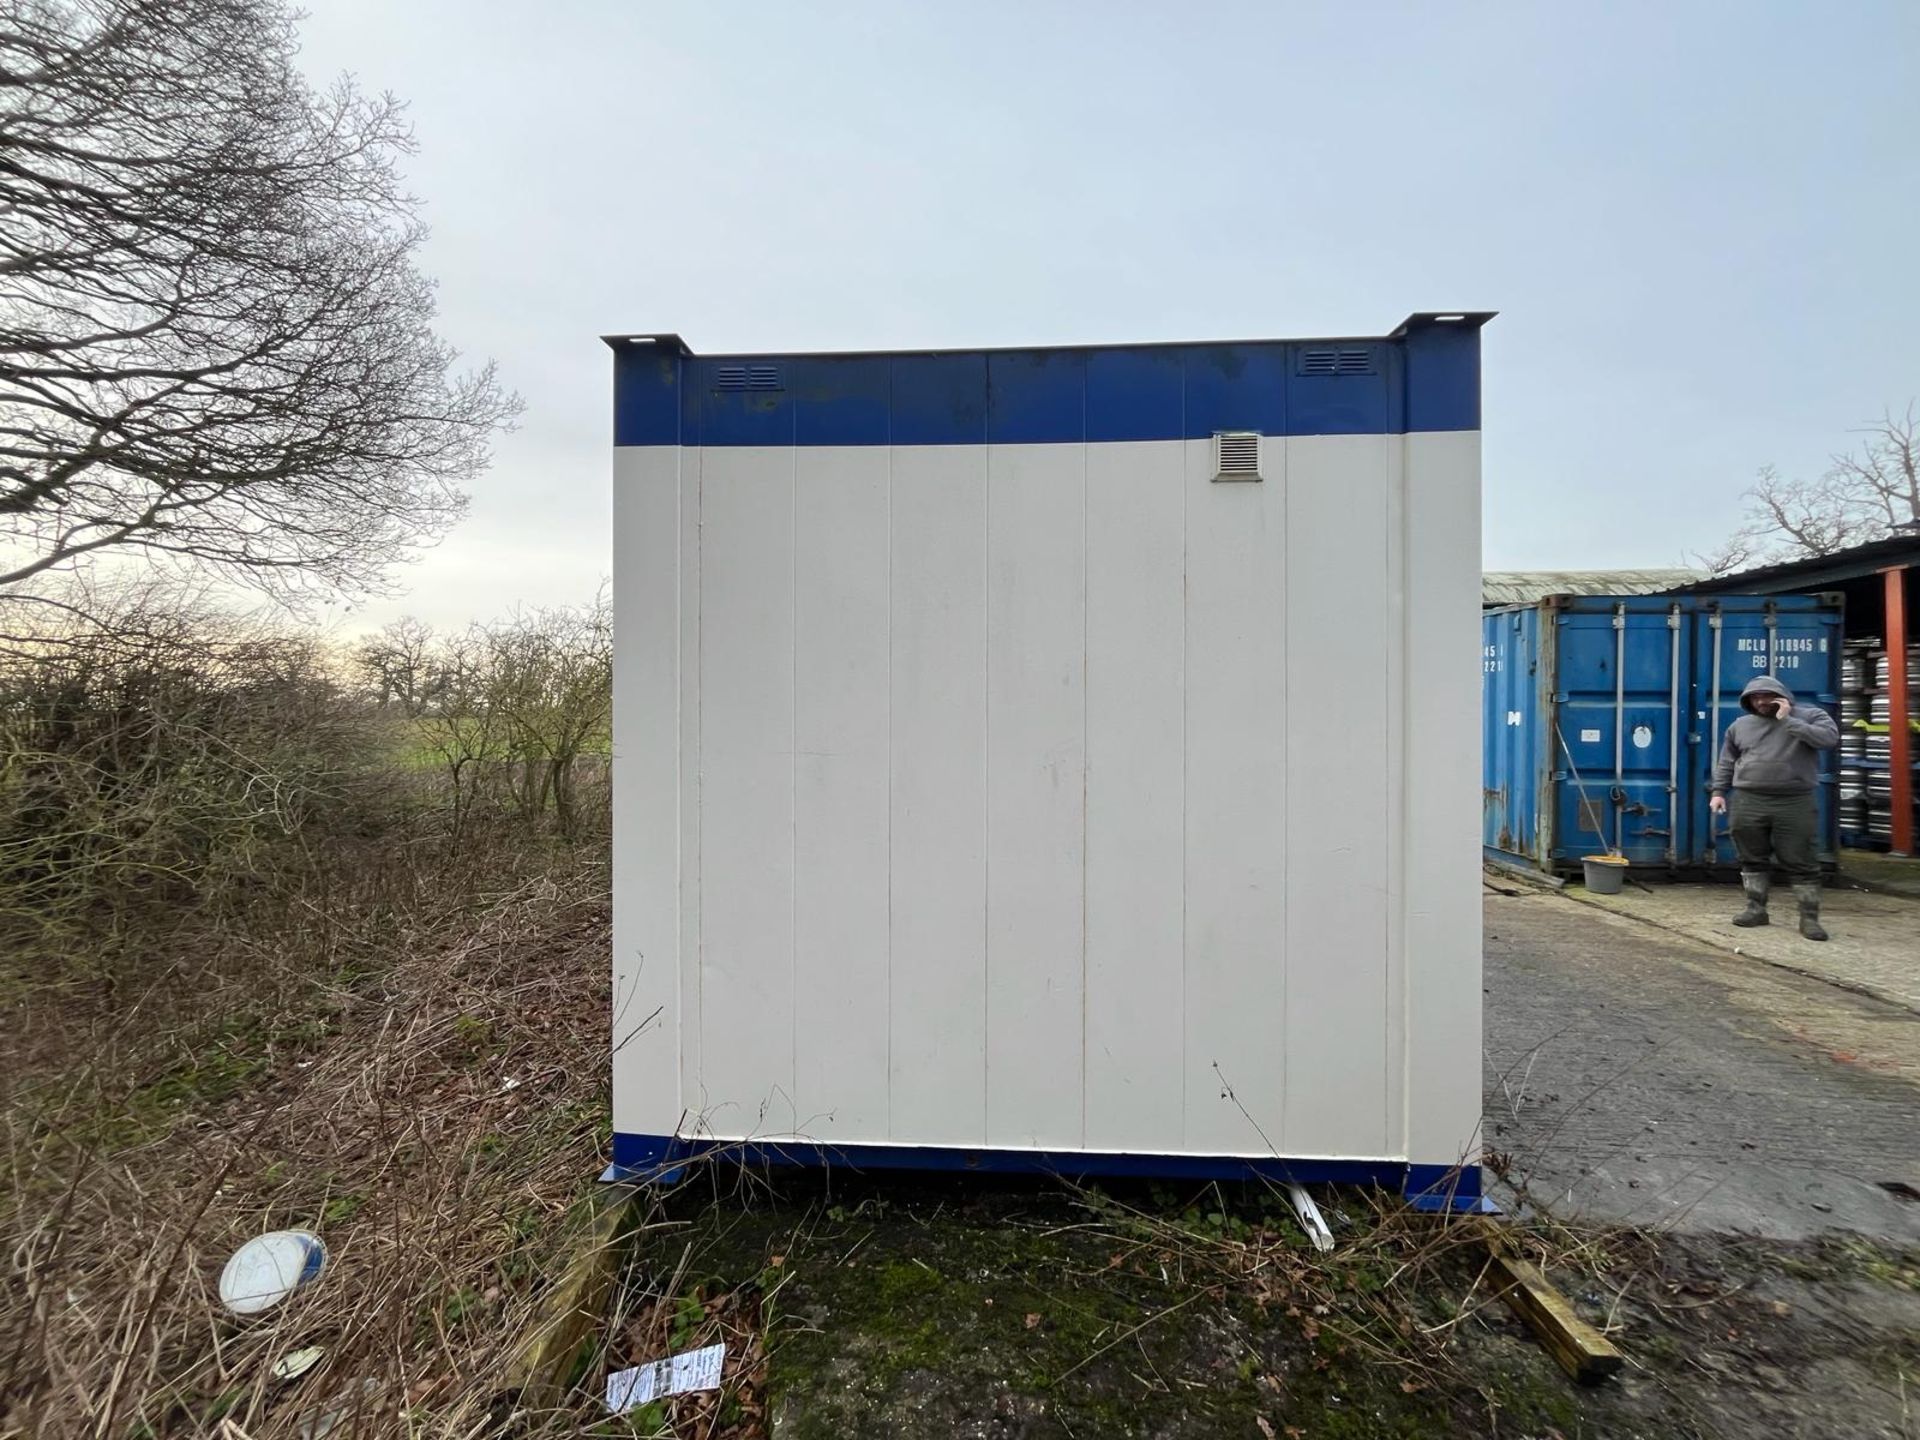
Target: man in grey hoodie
point(1770, 761)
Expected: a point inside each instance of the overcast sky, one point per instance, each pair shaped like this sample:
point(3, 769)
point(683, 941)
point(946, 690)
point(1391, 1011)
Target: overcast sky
point(1698, 222)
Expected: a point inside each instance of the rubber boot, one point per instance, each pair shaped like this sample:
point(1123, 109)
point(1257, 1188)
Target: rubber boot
point(1756, 883)
point(1809, 898)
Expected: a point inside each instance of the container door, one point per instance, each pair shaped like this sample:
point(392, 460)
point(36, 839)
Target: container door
point(1512, 758)
point(1618, 732)
point(1796, 638)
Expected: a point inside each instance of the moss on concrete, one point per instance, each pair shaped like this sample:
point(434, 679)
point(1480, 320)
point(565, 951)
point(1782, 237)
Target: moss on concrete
point(935, 1308)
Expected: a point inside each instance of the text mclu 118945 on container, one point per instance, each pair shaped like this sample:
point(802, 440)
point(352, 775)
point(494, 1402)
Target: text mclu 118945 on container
point(1051, 759)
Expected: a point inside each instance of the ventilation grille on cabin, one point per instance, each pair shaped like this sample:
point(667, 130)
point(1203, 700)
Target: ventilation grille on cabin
point(1336, 362)
point(747, 377)
point(1236, 455)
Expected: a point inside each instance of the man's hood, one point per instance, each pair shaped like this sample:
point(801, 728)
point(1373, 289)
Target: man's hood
point(1762, 685)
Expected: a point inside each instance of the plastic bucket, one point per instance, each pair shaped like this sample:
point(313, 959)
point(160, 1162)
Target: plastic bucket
point(1606, 874)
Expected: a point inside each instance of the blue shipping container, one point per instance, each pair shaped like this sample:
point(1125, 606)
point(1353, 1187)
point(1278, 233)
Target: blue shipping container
point(1604, 715)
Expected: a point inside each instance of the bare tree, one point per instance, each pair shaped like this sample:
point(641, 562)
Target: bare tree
point(1882, 480)
point(155, 751)
point(510, 713)
point(398, 665)
point(1737, 552)
point(464, 731)
point(1864, 495)
point(215, 344)
point(553, 682)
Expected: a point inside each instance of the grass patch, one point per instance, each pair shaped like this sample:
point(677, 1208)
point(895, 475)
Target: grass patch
point(909, 1305)
point(365, 1112)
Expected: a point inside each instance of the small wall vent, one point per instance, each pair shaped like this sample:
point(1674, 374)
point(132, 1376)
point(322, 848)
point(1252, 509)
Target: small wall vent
point(1336, 362)
point(747, 377)
point(1236, 455)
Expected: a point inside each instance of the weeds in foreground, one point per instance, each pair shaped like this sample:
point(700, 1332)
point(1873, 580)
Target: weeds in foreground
point(416, 1074)
point(891, 1301)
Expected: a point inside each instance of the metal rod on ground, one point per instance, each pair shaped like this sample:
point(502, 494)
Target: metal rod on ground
point(1586, 805)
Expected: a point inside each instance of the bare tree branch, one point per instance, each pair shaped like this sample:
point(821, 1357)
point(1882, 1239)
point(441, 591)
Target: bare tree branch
point(215, 344)
point(1866, 494)
point(1737, 552)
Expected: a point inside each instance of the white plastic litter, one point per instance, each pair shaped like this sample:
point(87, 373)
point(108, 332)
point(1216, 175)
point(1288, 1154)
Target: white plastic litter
point(676, 1375)
point(296, 1363)
point(1311, 1220)
point(268, 1268)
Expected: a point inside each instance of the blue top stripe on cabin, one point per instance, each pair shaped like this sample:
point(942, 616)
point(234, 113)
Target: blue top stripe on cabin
point(1426, 376)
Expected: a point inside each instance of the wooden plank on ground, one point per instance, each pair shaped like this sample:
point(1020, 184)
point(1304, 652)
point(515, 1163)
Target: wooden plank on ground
point(1579, 1349)
point(548, 1360)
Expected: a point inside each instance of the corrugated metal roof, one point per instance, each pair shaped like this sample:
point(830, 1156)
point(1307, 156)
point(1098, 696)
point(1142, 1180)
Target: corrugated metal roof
point(1895, 551)
point(1524, 587)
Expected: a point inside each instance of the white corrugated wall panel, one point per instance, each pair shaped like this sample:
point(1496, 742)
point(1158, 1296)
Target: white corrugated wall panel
point(1236, 805)
point(939, 748)
point(842, 668)
point(1442, 836)
point(1036, 794)
point(1136, 794)
point(746, 791)
point(647, 1016)
point(693, 1100)
point(1338, 652)
point(1393, 857)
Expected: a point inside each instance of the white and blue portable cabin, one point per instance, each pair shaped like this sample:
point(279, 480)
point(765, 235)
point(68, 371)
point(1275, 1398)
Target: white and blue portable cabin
point(1059, 759)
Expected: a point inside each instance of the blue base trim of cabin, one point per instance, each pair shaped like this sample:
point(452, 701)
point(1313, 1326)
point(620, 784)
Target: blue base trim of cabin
point(663, 1158)
point(1447, 1189)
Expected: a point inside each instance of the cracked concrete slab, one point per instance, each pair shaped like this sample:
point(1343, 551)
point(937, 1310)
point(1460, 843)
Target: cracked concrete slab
point(1639, 1076)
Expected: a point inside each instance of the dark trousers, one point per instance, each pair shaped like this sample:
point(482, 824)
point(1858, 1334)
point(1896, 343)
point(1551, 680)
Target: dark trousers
point(1767, 828)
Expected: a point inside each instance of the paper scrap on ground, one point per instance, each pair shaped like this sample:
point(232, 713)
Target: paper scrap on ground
point(676, 1375)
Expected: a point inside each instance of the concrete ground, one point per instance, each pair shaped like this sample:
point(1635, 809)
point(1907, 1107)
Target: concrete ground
point(1876, 937)
point(1643, 1076)
point(1876, 870)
